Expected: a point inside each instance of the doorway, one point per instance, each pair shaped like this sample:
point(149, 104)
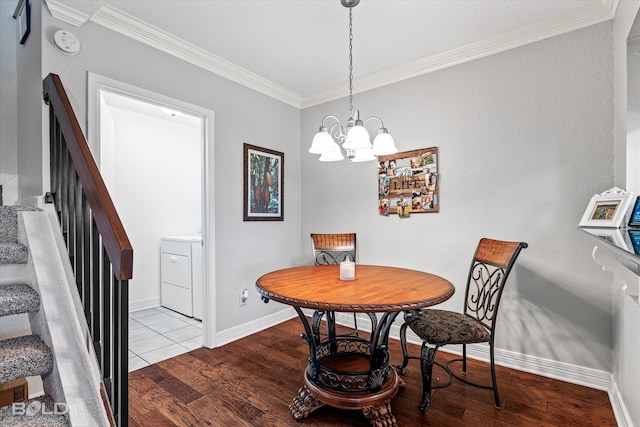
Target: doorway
point(154, 155)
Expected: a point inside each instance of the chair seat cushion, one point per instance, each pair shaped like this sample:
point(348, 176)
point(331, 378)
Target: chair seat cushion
point(442, 327)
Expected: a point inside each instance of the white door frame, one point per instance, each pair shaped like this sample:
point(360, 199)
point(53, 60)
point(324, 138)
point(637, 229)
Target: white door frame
point(98, 84)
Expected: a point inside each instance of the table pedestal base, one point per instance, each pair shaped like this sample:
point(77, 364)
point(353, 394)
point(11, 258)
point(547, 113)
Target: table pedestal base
point(304, 404)
point(376, 406)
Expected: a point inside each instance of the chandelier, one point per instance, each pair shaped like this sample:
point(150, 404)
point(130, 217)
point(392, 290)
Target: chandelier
point(354, 138)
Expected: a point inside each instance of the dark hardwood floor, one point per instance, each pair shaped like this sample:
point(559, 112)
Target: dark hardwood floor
point(251, 382)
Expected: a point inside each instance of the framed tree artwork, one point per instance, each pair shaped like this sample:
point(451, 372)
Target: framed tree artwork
point(263, 184)
point(408, 182)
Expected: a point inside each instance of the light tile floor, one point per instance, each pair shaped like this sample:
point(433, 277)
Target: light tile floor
point(158, 333)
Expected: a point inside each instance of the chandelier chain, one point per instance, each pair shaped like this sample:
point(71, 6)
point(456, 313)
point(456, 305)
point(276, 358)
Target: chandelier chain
point(353, 136)
point(350, 63)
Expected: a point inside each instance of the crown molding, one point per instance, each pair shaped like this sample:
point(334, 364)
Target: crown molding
point(591, 14)
point(117, 20)
point(66, 13)
point(132, 27)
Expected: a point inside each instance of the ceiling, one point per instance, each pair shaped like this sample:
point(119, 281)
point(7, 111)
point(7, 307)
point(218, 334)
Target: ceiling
point(298, 49)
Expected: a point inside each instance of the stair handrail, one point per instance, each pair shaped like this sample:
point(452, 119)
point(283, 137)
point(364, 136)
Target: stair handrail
point(113, 234)
point(100, 253)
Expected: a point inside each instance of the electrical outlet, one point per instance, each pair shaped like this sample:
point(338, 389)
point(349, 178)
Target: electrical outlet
point(244, 296)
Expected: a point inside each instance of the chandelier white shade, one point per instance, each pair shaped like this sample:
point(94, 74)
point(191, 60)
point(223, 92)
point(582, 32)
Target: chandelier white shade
point(363, 155)
point(354, 138)
point(384, 144)
point(333, 155)
point(322, 143)
point(357, 137)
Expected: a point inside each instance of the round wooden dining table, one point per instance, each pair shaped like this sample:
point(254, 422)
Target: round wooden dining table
point(344, 370)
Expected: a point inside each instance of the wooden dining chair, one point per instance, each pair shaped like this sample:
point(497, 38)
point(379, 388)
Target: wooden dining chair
point(488, 274)
point(333, 249)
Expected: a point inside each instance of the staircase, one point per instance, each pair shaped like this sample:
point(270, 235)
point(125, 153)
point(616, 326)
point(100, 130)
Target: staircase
point(25, 355)
point(64, 288)
point(43, 330)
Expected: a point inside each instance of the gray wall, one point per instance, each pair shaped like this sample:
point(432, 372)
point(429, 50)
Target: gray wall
point(525, 139)
point(8, 90)
point(244, 250)
point(29, 109)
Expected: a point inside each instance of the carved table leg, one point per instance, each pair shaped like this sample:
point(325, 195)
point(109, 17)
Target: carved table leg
point(304, 404)
point(380, 415)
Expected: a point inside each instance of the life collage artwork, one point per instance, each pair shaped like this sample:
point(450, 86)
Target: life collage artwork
point(408, 182)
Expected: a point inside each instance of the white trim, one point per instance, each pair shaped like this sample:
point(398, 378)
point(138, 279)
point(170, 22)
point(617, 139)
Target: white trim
point(117, 20)
point(65, 13)
point(143, 304)
point(97, 84)
point(567, 372)
point(249, 328)
point(588, 377)
point(591, 14)
point(623, 418)
point(209, 333)
point(137, 29)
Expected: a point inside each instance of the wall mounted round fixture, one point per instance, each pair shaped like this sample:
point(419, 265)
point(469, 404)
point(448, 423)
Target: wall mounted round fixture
point(66, 42)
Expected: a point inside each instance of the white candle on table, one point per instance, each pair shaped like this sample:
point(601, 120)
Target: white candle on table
point(347, 270)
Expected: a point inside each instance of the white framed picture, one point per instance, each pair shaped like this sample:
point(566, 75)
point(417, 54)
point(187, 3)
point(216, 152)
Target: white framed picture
point(609, 209)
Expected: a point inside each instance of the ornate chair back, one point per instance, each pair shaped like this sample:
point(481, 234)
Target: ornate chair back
point(488, 274)
point(333, 248)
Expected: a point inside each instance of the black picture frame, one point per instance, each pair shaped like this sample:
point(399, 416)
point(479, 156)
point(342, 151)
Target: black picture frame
point(263, 184)
point(22, 15)
point(634, 218)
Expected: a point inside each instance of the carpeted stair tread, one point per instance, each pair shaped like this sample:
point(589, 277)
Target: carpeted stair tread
point(24, 357)
point(13, 253)
point(9, 222)
point(37, 412)
point(18, 298)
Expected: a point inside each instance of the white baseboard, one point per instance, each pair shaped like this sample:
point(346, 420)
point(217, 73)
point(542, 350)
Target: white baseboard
point(144, 304)
point(249, 328)
point(588, 377)
point(619, 408)
point(574, 374)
